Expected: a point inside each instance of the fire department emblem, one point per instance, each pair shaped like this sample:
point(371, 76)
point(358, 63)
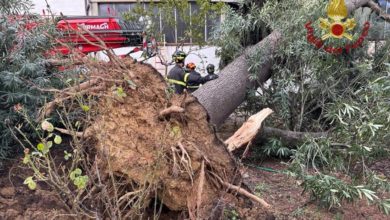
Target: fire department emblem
point(337, 25)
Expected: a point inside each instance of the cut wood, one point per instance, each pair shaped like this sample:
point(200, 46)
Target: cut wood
point(248, 131)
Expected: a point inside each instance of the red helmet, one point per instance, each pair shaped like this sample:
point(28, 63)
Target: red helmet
point(191, 66)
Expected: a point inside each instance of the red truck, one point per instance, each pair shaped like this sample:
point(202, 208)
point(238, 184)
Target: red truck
point(113, 31)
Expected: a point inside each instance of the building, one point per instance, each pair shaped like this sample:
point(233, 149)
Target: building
point(171, 34)
point(76, 7)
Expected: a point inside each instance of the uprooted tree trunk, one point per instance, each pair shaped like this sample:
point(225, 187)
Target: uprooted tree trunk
point(230, 88)
point(153, 141)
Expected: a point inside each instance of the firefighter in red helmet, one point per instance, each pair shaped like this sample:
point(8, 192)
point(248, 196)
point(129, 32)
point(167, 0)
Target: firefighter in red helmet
point(193, 78)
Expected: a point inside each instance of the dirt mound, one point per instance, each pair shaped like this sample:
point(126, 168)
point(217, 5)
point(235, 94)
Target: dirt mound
point(18, 202)
point(160, 143)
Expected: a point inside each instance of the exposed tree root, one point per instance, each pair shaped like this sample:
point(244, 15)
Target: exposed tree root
point(168, 156)
point(168, 111)
point(243, 192)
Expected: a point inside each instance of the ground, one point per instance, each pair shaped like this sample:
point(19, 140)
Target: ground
point(18, 202)
point(285, 194)
point(282, 192)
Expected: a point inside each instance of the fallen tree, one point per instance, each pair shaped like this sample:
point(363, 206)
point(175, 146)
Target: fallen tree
point(161, 147)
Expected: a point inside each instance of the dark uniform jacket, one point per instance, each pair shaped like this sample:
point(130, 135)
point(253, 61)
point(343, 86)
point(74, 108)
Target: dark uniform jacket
point(210, 77)
point(176, 78)
point(194, 79)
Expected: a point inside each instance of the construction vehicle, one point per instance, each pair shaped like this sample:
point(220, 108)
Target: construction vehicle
point(85, 34)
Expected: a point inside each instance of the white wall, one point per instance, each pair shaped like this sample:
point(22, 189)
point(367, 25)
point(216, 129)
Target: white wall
point(200, 56)
point(67, 7)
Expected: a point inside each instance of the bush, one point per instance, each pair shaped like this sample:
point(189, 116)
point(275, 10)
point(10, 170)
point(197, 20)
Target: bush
point(22, 69)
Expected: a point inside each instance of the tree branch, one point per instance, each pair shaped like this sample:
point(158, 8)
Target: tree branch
point(378, 10)
point(291, 138)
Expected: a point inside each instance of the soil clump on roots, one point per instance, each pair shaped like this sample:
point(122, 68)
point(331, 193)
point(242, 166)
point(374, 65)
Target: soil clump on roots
point(167, 151)
point(161, 144)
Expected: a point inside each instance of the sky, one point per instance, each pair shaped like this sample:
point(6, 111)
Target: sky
point(67, 7)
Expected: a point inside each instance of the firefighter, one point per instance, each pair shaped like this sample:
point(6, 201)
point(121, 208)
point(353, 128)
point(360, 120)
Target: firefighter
point(193, 78)
point(176, 74)
point(211, 75)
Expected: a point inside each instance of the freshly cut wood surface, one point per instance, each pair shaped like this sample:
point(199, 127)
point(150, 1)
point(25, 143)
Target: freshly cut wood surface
point(248, 130)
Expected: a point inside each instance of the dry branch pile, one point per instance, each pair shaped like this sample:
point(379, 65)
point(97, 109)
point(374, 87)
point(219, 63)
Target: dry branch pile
point(154, 139)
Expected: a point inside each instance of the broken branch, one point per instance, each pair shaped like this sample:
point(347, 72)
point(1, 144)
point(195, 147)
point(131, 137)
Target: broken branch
point(378, 10)
point(248, 130)
point(290, 138)
point(64, 131)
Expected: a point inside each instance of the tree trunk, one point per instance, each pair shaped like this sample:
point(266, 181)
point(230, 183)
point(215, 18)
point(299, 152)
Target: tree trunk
point(222, 96)
point(230, 88)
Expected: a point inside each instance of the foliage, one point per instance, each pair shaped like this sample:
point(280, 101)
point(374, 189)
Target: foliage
point(71, 167)
point(194, 24)
point(231, 214)
point(23, 68)
point(235, 33)
point(274, 147)
point(13, 7)
point(260, 189)
point(332, 191)
point(78, 180)
point(346, 96)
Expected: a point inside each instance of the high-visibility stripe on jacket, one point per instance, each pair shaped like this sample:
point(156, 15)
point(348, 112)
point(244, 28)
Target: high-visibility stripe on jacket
point(193, 87)
point(173, 81)
point(178, 82)
point(176, 78)
point(186, 77)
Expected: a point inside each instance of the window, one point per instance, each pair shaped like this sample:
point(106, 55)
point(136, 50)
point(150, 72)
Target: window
point(171, 34)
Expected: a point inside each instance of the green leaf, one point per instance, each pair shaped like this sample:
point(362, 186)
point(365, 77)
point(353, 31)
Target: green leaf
point(26, 159)
point(120, 92)
point(49, 144)
point(175, 132)
point(370, 195)
point(85, 108)
point(40, 146)
point(47, 126)
point(75, 173)
point(57, 139)
point(78, 180)
point(30, 183)
point(67, 155)
point(81, 182)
